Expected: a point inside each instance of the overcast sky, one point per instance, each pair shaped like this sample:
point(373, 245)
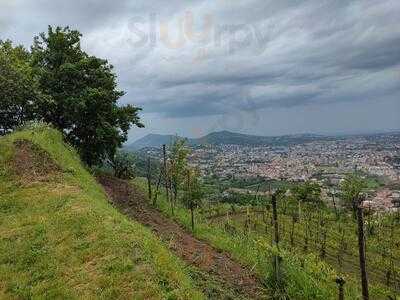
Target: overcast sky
point(262, 67)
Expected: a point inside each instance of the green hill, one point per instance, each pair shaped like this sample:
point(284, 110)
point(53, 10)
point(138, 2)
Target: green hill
point(228, 138)
point(60, 237)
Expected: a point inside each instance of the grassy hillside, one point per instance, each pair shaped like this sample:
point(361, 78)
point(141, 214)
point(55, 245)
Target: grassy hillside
point(60, 238)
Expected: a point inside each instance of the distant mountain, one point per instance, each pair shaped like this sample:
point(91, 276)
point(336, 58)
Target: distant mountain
point(227, 138)
point(232, 138)
point(152, 141)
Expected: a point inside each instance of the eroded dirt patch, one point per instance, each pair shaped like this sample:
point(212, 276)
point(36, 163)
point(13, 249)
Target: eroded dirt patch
point(193, 251)
point(33, 164)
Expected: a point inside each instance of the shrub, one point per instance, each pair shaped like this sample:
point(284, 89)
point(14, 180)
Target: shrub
point(123, 165)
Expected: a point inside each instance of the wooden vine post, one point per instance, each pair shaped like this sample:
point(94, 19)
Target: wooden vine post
point(340, 283)
point(165, 171)
point(275, 220)
point(334, 204)
point(294, 220)
point(276, 261)
point(191, 204)
point(306, 232)
point(324, 236)
point(247, 222)
point(157, 188)
point(361, 250)
point(167, 180)
point(149, 178)
point(391, 269)
point(341, 247)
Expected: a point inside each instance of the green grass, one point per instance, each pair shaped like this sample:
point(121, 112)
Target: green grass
point(62, 239)
point(382, 237)
point(306, 276)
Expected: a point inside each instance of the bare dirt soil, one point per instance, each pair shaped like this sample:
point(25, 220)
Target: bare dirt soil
point(195, 252)
point(31, 164)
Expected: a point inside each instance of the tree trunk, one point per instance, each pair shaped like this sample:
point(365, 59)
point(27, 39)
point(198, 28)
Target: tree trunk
point(361, 251)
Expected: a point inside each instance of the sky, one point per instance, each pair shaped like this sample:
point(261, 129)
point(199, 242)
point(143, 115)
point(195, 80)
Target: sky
point(251, 66)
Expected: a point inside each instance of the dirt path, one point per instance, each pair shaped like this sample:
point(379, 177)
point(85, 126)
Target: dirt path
point(200, 254)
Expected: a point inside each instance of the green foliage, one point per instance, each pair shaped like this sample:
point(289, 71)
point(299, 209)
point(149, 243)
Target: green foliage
point(193, 189)
point(19, 92)
point(84, 93)
point(178, 163)
point(59, 83)
point(123, 164)
point(61, 239)
point(308, 192)
point(141, 160)
point(351, 188)
point(242, 199)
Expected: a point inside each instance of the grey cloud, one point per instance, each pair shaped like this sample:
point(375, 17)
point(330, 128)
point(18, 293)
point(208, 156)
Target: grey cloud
point(260, 55)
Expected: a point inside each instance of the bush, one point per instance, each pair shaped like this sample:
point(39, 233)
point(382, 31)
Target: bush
point(123, 165)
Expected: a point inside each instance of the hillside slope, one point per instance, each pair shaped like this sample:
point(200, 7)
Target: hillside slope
point(60, 238)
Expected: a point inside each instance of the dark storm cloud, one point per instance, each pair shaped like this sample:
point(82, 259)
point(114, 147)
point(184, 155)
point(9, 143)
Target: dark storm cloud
point(376, 57)
point(205, 58)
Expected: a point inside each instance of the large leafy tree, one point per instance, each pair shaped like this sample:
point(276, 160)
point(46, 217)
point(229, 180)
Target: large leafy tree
point(84, 95)
point(19, 93)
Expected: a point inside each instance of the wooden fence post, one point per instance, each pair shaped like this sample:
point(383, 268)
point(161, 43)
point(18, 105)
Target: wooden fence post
point(167, 180)
point(276, 261)
point(292, 231)
point(275, 220)
point(340, 283)
point(190, 200)
point(149, 178)
point(361, 250)
point(247, 222)
point(157, 188)
point(334, 204)
point(165, 170)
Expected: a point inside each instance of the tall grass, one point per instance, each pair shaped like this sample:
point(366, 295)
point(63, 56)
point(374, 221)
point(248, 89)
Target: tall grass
point(62, 239)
